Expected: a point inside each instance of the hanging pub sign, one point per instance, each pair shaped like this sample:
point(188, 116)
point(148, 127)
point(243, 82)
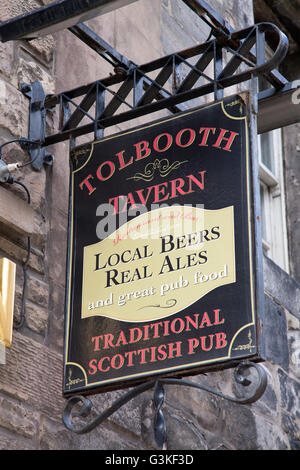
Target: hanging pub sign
point(161, 264)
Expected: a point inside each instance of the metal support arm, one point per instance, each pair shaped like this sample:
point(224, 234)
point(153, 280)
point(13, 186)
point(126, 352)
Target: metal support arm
point(57, 15)
point(241, 377)
point(92, 108)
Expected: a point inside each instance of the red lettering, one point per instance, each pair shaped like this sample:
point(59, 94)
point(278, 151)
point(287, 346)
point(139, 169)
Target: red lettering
point(200, 184)
point(203, 342)
point(152, 351)
point(146, 332)
point(176, 185)
point(221, 340)
point(100, 364)
point(193, 344)
point(181, 325)
point(205, 321)
point(111, 169)
point(142, 352)
point(117, 203)
point(192, 135)
point(140, 194)
point(141, 147)
point(120, 156)
point(158, 191)
point(108, 341)
point(121, 339)
point(193, 323)
point(206, 133)
point(129, 354)
point(87, 184)
point(217, 320)
point(174, 348)
point(162, 352)
point(132, 338)
point(115, 359)
point(96, 340)
point(156, 325)
point(166, 328)
point(167, 145)
point(93, 368)
point(229, 139)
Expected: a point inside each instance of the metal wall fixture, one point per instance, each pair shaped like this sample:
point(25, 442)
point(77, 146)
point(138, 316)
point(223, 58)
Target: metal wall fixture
point(55, 16)
point(180, 77)
point(79, 406)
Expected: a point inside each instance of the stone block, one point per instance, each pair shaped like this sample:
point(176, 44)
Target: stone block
point(55, 333)
point(282, 287)
point(60, 176)
point(238, 426)
point(44, 47)
point(182, 431)
point(138, 31)
point(17, 217)
point(130, 417)
point(294, 346)
point(142, 50)
point(36, 318)
point(15, 443)
point(269, 435)
point(106, 437)
point(14, 116)
point(28, 71)
point(7, 58)
point(275, 332)
point(34, 372)
point(80, 65)
point(292, 428)
point(16, 419)
point(36, 184)
point(19, 253)
point(12, 392)
point(201, 405)
point(289, 394)
point(16, 213)
point(174, 38)
point(54, 436)
point(37, 291)
point(58, 247)
point(9, 9)
point(189, 21)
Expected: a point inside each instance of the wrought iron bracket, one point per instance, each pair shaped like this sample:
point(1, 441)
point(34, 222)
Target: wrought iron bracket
point(242, 376)
point(37, 124)
point(180, 77)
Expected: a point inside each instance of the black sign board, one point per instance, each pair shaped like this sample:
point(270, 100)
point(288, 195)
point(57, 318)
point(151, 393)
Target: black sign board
point(161, 264)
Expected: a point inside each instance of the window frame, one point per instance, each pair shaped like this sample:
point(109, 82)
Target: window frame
point(273, 210)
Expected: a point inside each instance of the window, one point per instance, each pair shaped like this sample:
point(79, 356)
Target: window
point(274, 232)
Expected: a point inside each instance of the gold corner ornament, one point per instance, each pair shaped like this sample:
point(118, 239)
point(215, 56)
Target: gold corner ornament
point(159, 263)
point(7, 295)
point(249, 345)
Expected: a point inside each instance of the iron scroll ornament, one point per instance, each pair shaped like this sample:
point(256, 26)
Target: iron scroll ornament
point(160, 431)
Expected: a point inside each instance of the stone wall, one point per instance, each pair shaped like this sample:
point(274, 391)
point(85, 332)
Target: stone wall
point(31, 402)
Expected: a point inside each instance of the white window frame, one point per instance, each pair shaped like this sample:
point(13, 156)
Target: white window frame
point(275, 243)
